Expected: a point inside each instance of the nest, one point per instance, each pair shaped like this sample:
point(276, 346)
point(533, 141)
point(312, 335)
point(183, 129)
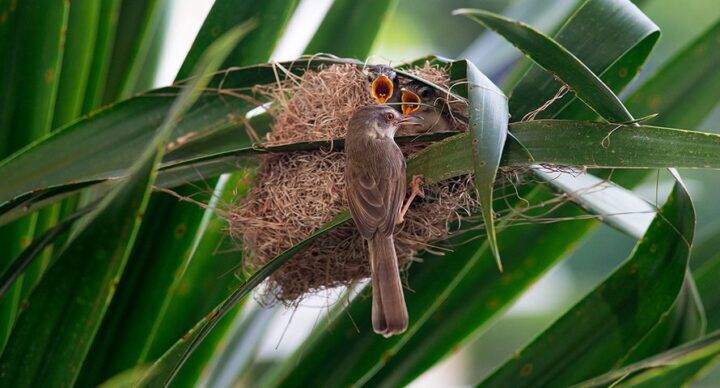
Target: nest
point(294, 194)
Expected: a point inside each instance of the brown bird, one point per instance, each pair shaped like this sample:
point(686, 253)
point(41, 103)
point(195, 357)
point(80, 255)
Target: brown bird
point(375, 179)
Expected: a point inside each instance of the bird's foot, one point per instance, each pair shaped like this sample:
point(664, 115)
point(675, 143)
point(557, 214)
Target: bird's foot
point(416, 186)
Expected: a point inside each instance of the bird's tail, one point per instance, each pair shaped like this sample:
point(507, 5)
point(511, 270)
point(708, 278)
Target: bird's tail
point(389, 313)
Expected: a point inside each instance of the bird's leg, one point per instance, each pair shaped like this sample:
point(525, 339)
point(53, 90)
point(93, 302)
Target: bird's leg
point(416, 185)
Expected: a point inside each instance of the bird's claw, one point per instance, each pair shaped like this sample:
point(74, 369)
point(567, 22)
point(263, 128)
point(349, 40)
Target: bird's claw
point(416, 185)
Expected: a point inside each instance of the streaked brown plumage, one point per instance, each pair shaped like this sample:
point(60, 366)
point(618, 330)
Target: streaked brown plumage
point(375, 178)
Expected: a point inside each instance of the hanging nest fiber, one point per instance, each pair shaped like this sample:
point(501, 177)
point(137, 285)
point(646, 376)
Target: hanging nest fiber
point(294, 194)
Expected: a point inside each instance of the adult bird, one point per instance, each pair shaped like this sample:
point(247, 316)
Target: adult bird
point(375, 181)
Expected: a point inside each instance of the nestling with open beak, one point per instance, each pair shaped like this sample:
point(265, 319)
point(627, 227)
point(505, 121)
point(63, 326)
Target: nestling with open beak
point(434, 111)
point(384, 86)
point(375, 180)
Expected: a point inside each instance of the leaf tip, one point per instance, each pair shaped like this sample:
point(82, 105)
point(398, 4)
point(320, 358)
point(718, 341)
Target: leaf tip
point(496, 254)
point(470, 12)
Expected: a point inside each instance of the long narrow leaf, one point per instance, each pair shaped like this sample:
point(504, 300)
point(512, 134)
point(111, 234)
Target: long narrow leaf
point(75, 294)
point(574, 143)
point(553, 57)
point(166, 368)
point(30, 64)
point(682, 363)
point(78, 43)
point(108, 16)
point(544, 16)
point(685, 322)
point(138, 22)
point(135, 328)
point(133, 319)
point(211, 270)
point(684, 90)
point(571, 143)
point(613, 38)
point(617, 314)
point(35, 249)
point(623, 210)
point(488, 127)
point(109, 138)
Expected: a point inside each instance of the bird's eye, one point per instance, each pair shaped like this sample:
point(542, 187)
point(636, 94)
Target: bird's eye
point(389, 116)
point(425, 93)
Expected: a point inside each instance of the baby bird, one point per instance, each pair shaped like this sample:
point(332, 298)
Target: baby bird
point(427, 103)
point(384, 86)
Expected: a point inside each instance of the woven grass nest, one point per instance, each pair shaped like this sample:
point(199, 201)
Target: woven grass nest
point(294, 194)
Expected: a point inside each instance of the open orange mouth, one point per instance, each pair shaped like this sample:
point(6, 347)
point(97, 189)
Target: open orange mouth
point(410, 102)
point(382, 89)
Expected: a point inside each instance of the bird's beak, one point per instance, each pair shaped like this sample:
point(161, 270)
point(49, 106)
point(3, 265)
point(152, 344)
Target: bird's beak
point(409, 121)
point(381, 89)
point(410, 102)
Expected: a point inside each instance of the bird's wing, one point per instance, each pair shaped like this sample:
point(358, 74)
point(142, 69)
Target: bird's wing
point(394, 189)
point(367, 202)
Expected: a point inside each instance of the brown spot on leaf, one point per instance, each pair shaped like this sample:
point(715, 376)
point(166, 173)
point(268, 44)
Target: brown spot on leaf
point(49, 75)
point(180, 230)
point(386, 357)
point(212, 314)
point(654, 101)
point(63, 37)
point(526, 369)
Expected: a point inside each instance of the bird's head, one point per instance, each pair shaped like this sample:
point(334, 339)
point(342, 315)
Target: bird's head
point(416, 93)
point(379, 121)
point(382, 82)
